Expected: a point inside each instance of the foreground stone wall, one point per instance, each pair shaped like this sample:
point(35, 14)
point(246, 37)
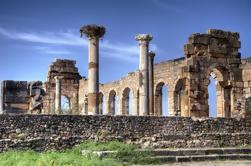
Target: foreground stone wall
point(44, 132)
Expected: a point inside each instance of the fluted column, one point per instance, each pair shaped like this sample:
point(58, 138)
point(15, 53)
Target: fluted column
point(93, 33)
point(151, 55)
point(57, 95)
point(143, 40)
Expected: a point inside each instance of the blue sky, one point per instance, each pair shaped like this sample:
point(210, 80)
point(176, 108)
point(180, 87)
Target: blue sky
point(35, 32)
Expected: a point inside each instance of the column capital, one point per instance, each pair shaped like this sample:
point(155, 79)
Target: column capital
point(143, 37)
point(151, 54)
point(92, 31)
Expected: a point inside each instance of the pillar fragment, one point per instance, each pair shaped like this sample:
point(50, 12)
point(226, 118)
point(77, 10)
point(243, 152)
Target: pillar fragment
point(143, 40)
point(151, 82)
point(57, 95)
point(93, 33)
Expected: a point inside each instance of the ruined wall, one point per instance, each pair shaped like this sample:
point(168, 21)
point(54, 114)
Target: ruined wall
point(15, 96)
point(167, 73)
point(45, 132)
point(214, 54)
point(69, 79)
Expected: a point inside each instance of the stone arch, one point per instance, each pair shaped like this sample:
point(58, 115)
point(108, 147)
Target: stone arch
point(223, 89)
point(65, 105)
point(180, 98)
point(101, 104)
point(126, 101)
point(158, 110)
point(112, 102)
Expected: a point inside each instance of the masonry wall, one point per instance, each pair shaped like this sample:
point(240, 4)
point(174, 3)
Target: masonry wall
point(15, 97)
point(44, 132)
point(245, 103)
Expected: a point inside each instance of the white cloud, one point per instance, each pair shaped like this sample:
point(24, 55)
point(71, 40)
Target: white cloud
point(52, 50)
point(126, 57)
point(60, 38)
point(120, 51)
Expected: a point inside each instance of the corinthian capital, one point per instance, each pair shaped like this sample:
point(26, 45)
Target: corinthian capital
point(143, 37)
point(92, 31)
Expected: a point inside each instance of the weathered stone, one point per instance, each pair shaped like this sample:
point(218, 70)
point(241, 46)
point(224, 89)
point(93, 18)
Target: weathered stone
point(213, 54)
point(158, 132)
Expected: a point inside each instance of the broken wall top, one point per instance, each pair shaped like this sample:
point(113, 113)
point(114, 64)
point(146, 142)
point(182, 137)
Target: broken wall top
point(64, 68)
point(217, 43)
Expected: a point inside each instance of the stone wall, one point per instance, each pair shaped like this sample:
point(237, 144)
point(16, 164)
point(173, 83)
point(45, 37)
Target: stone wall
point(15, 96)
point(44, 132)
point(245, 102)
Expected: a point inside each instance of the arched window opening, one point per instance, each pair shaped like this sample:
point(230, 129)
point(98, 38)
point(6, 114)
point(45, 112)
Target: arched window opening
point(212, 96)
point(127, 102)
point(180, 100)
point(116, 109)
point(113, 103)
point(161, 100)
point(65, 105)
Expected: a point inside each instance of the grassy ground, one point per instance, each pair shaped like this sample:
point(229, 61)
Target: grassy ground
point(127, 155)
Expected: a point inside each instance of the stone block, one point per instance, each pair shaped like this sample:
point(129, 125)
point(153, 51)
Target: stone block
point(223, 34)
point(188, 49)
point(199, 39)
point(216, 47)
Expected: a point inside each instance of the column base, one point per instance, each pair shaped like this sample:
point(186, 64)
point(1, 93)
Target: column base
point(93, 103)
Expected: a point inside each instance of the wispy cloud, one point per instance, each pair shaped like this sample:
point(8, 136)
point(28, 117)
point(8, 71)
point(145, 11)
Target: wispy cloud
point(52, 50)
point(122, 51)
point(59, 38)
point(126, 57)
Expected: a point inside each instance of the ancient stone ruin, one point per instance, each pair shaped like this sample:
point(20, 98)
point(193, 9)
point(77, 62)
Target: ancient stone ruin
point(212, 54)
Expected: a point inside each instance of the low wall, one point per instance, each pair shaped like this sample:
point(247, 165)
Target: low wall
point(45, 132)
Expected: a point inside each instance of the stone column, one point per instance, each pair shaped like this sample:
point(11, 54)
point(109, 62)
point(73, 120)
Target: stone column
point(93, 33)
point(151, 82)
point(143, 40)
point(57, 95)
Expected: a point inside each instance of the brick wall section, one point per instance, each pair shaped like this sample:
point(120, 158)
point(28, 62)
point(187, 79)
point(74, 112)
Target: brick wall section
point(45, 132)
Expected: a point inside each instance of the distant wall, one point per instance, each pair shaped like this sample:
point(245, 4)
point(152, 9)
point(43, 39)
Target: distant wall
point(44, 132)
point(15, 96)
